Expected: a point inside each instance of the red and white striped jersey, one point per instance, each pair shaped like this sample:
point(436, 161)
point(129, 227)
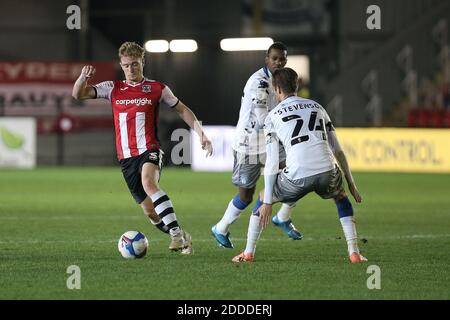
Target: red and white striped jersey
point(136, 110)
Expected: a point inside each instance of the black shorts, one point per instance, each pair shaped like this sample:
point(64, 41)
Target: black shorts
point(132, 168)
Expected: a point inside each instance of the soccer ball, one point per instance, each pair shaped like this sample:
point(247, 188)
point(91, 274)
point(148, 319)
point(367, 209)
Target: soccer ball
point(132, 245)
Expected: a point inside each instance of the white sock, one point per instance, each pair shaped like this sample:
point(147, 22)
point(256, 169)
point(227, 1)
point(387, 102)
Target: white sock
point(175, 232)
point(231, 215)
point(284, 214)
point(349, 228)
point(254, 231)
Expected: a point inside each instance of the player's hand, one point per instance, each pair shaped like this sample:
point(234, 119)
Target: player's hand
point(206, 145)
point(355, 193)
point(88, 71)
point(265, 212)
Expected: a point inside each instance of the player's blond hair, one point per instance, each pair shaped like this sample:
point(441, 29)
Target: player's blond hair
point(131, 49)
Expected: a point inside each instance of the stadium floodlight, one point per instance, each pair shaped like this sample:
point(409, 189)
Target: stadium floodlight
point(157, 46)
point(300, 63)
point(183, 45)
point(245, 44)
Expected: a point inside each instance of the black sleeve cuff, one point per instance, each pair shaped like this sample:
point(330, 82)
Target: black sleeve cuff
point(175, 104)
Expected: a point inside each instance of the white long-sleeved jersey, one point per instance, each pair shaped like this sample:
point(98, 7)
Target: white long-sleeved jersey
point(307, 134)
point(258, 98)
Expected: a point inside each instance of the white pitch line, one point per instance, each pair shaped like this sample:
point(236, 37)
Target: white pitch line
point(80, 218)
point(413, 236)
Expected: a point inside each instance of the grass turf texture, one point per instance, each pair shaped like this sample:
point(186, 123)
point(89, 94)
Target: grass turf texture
point(51, 218)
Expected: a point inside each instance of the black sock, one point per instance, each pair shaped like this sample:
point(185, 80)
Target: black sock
point(161, 226)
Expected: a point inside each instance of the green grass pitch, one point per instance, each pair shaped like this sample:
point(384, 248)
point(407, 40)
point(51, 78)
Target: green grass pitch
point(51, 218)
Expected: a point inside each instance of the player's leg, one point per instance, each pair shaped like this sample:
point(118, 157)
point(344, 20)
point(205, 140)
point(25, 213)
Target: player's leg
point(330, 185)
point(254, 227)
point(284, 191)
point(347, 219)
point(131, 173)
point(245, 176)
point(220, 231)
point(235, 207)
point(283, 220)
point(283, 217)
point(253, 232)
point(163, 206)
point(149, 211)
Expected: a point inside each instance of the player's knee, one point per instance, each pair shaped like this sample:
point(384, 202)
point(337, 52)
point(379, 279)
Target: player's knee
point(149, 187)
point(340, 196)
point(248, 198)
point(246, 195)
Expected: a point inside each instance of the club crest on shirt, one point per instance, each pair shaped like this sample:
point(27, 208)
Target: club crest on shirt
point(263, 83)
point(146, 88)
point(153, 156)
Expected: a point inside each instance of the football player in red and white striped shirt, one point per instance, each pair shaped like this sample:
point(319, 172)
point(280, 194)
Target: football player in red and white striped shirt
point(135, 104)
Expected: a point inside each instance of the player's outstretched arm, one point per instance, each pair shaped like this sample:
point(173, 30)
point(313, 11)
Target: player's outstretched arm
point(191, 120)
point(343, 164)
point(80, 89)
point(270, 177)
point(342, 160)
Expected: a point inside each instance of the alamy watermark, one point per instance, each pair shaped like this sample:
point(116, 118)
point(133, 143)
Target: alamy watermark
point(74, 280)
point(74, 20)
point(374, 280)
point(181, 152)
point(373, 22)
point(249, 147)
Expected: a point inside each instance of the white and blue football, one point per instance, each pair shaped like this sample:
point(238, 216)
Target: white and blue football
point(132, 245)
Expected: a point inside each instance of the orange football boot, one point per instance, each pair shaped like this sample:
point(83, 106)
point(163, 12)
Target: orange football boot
point(243, 257)
point(356, 257)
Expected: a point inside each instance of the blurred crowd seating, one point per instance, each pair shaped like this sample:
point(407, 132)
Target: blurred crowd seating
point(433, 105)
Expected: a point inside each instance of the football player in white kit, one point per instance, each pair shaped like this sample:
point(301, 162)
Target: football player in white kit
point(307, 134)
point(249, 147)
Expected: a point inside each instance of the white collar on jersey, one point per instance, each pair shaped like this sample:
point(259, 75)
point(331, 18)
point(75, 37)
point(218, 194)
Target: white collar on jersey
point(137, 84)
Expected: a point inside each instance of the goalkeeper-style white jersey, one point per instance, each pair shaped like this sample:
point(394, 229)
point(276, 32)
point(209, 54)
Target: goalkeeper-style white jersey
point(304, 128)
point(257, 100)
